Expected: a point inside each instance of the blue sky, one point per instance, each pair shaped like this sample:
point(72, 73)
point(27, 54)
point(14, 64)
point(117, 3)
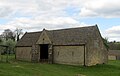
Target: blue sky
point(103, 23)
point(34, 15)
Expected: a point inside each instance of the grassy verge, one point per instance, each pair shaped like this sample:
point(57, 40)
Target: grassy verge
point(17, 68)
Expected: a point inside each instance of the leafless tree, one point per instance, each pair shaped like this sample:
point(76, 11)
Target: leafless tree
point(18, 32)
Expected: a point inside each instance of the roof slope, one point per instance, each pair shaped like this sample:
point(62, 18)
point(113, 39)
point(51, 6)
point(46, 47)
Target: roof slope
point(28, 39)
point(69, 36)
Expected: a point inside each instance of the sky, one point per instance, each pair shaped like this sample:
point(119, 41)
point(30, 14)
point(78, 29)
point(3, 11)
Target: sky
point(34, 15)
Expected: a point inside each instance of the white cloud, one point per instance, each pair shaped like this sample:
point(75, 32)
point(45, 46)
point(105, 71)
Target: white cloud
point(101, 8)
point(34, 15)
point(88, 8)
point(88, 13)
point(114, 29)
point(12, 7)
point(4, 12)
point(38, 23)
point(113, 33)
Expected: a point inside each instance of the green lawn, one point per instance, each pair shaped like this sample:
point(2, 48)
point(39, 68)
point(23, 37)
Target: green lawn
point(17, 68)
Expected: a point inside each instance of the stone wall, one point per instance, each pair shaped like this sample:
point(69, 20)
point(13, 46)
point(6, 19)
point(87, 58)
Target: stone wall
point(112, 57)
point(73, 55)
point(23, 53)
point(35, 53)
point(96, 51)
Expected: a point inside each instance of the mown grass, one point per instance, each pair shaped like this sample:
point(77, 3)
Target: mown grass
point(18, 68)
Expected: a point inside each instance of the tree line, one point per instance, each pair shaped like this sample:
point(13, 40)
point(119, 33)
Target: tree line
point(111, 45)
point(9, 38)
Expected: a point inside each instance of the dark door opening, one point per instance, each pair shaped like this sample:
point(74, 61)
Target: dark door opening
point(44, 51)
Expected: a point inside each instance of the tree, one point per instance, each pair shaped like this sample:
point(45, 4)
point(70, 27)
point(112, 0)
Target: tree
point(8, 34)
point(11, 43)
point(114, 45)
point(0, 40)
point(105, 41)
point(18, 32)
point(2, 49)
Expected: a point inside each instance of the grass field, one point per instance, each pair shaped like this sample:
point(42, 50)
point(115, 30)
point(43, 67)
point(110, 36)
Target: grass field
point(17, 68)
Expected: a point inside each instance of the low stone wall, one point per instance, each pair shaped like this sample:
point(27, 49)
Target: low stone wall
point(112, 57)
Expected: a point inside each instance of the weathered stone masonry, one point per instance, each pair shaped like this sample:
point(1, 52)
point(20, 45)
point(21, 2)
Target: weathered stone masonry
point(74, 46)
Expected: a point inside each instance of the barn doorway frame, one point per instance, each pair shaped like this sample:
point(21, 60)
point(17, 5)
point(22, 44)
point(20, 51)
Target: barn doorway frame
point(44, 52)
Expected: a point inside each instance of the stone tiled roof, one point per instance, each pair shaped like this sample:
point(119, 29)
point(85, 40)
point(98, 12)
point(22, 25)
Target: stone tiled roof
point(71, 36)
point(114, 52)
point(29, 39)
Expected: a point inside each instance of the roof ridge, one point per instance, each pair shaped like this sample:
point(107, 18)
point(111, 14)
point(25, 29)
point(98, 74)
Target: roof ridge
point(72, 28)
point(64, 29)
point(34, 32)
point(66, 36)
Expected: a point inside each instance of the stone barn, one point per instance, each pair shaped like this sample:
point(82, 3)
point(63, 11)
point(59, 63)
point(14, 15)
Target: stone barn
point(73, 46)
point(114, 55)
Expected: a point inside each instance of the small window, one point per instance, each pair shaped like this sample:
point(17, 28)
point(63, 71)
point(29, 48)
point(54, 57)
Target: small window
point(58, 53)
point(72, 53)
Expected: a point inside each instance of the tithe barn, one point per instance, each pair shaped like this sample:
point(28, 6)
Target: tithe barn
point(73, 46)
